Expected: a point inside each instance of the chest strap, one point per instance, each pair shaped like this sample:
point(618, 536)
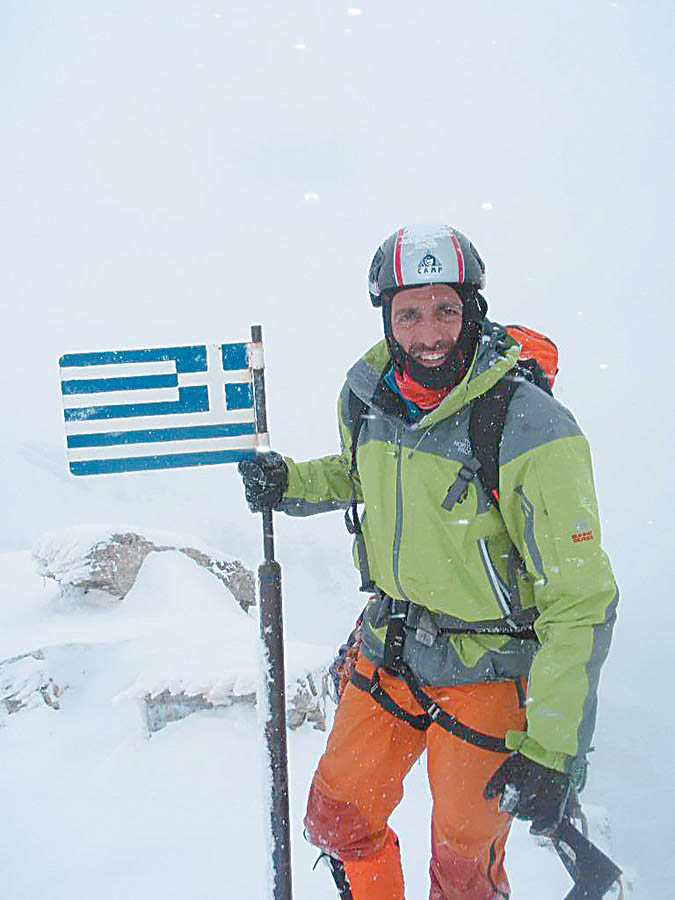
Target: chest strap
point(458, 488)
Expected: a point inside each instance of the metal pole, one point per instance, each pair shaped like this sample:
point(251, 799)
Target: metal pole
point(272, 636)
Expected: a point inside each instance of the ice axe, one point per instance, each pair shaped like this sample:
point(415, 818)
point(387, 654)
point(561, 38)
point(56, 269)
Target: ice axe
point(592, 871)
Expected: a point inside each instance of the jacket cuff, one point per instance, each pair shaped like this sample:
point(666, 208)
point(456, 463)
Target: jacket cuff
point(290, 466)
point(527, 746)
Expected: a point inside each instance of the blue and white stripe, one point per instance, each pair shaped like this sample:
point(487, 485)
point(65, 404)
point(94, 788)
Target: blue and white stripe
point(171, 407)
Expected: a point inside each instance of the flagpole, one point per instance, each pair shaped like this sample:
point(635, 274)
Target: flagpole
point(273, 681)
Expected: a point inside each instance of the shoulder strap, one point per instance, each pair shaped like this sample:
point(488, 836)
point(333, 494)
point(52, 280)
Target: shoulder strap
point(357, 410)
point(486, 424)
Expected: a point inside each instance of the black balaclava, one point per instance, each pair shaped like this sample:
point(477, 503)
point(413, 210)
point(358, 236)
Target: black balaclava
point(454, 368)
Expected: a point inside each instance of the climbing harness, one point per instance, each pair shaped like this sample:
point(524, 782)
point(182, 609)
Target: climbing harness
point(394, 664)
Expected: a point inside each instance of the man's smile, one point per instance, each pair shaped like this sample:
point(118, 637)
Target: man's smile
point(431, 357)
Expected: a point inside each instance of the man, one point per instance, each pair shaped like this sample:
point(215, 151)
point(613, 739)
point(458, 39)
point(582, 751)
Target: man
point(492, 610)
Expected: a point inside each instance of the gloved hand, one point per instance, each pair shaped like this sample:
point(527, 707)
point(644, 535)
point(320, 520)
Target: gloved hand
point(530, 791)
point(265, 479)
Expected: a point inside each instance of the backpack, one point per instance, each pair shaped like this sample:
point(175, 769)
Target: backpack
point(538, 364)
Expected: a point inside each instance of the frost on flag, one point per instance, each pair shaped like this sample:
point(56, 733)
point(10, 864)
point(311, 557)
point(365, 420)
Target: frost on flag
point(133, 410)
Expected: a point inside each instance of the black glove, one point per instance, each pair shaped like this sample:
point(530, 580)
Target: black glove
point(530, 791)
point(265, 479)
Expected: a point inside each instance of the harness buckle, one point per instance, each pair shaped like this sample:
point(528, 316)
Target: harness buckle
point(426, 629)
point(434, 711)
point(350, 524)
point(460, 485)
point(467, 474)
point(395, 637)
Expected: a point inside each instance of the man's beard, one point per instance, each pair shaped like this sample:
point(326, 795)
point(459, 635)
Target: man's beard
point(448, 374)
point(455, 366)
point(451, 370)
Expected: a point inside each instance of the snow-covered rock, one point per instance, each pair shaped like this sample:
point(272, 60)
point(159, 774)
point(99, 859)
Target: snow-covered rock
point(105, 561)
point(172, 645)
point(25, 685)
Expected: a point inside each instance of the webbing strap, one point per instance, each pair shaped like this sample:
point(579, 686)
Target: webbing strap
point(486, 425)
point(432, 711)
point(446, 720)
point(337, 870)
point(373, 687)
point(357, 410)
point(519, 624)
point(458, 488)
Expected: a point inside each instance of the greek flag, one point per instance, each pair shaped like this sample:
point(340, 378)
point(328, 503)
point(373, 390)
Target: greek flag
point(132, 410)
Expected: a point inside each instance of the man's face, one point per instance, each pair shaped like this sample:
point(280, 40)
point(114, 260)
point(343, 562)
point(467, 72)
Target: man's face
point(426, 321)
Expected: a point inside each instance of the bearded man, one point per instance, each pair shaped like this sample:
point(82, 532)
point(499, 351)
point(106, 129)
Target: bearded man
point(492, 606)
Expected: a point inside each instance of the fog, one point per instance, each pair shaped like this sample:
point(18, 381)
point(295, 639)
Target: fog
point(172, 172)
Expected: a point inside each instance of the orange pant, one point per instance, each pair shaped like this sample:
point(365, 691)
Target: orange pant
point(359, 782)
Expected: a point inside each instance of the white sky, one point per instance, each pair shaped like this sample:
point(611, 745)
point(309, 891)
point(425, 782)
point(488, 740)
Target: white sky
point(155, 158)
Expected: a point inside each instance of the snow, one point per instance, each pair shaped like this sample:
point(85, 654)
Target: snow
point(116, 810)
point(177, 629)
point(425, 235)
point(163, 163)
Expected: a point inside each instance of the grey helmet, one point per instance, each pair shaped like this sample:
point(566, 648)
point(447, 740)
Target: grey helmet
point(424, 254)
point(430, 254)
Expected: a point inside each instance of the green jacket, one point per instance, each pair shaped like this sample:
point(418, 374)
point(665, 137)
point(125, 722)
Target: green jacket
point(473, 561)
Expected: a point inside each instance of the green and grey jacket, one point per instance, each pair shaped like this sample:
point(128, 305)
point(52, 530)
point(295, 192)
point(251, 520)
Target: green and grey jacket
point(471, 561)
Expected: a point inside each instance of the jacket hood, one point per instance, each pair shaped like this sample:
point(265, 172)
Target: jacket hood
point(497, 352)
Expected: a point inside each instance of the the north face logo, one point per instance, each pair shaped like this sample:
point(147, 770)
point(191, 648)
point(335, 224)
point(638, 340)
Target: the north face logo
point(463, 445)
point(429, 265)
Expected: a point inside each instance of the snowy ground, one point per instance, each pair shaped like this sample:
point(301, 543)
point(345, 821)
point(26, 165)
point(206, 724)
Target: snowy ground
point(99, 808)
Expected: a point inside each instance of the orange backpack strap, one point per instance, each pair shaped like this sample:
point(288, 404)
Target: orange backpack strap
point(536, 346)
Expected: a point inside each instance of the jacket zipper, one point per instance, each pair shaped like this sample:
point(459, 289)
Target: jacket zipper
point(398, 529)
point(498, 587)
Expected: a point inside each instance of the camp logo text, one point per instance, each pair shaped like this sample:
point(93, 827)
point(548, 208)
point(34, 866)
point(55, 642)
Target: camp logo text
point(429, 265)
